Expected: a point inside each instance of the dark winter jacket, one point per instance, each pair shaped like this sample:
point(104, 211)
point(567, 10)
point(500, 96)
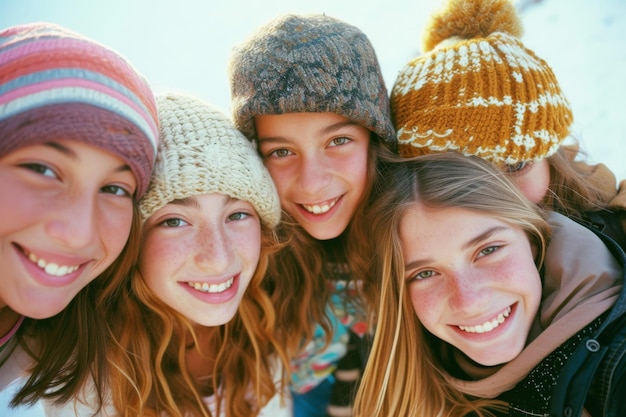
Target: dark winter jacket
point(586, 375)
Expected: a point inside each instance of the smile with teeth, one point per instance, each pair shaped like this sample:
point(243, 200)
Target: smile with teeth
point(212, 288)
point(52, 268)
point(488, 325)
point(317, 209)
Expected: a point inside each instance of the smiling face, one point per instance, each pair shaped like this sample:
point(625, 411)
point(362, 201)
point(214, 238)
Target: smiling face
point(318, 162)
point(66, 213)
point(199, 255)
point(472, 280)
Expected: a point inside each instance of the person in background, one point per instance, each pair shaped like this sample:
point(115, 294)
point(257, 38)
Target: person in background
point(307, 89)
point(471, 320)
point(479, 90)
point(78, 138)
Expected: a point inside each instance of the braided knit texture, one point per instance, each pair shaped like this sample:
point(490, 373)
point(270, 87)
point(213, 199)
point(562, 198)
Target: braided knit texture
point(478, 90)
point(201, 152)
point(309, 63)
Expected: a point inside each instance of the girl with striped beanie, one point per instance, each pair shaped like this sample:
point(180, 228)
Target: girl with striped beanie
point(78, 139)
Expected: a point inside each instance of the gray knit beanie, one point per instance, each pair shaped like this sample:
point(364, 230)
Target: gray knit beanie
point(201, 152)
point(309, 63)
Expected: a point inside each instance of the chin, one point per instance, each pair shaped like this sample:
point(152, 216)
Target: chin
point(215, 320)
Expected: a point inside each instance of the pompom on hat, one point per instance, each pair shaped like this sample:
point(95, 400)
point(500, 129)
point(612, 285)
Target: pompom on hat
point(58, 85)
point(309, 63)
point(201, 152)
point(478, 90)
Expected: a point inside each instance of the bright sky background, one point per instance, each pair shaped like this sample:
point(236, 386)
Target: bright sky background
point(184, 44)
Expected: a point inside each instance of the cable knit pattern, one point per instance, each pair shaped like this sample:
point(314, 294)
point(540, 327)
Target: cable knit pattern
point(309, 63)
point(201, 152)
point(478, 90)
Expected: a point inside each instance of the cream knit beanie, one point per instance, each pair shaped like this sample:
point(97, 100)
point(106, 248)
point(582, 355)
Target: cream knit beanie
point(201, 152)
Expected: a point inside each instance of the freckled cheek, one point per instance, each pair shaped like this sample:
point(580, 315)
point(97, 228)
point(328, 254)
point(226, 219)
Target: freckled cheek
point(282, 178)
point(248, 244)
point(161, 254)
point(426, 303)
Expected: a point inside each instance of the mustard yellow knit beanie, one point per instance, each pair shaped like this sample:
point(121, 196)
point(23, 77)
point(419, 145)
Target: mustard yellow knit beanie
point(478, 90)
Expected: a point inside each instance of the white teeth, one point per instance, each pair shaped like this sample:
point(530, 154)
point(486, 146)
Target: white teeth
point(52, 268)
point(489, 325)
point(315, 209)
point(212, 288)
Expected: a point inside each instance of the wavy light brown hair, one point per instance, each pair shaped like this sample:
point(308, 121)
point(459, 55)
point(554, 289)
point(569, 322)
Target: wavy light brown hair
point(402, 376)
point(299, 272)
point(147, 356)
point(570, 191)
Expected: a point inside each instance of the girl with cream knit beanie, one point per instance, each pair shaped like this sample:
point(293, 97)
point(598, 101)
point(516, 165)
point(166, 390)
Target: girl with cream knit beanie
point(195, 328)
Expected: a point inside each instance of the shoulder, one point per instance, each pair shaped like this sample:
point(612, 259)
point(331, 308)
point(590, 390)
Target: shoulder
point(14, 374)
point(573, 243)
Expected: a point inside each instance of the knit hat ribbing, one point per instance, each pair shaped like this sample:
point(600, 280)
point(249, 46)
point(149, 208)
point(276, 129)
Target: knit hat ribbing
point(309, 63)
point(201, 152)
point(478, 90)
point(58, 85)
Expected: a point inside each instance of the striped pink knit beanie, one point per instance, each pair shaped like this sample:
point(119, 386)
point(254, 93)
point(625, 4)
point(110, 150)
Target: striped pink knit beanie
point(58, 85)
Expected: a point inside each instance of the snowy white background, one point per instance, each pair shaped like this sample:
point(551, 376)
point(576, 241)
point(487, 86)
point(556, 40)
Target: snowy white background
point(184, 44)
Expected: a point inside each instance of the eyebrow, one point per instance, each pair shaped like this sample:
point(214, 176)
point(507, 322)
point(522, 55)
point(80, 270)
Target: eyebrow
point(73, 155)
point(193, 201)
point(63, 149)
point(337, 126)
point(472, 242)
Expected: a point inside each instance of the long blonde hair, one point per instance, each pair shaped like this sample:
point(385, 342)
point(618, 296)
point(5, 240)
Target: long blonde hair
point(147, 355)
point(403, 376)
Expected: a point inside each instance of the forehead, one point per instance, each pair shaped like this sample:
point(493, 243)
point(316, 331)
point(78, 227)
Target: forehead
point(276, 126)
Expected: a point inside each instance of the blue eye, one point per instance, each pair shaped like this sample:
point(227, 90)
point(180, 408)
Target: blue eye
point(173, 222)
point(488, 250)
point(429, 273)
point(238, 216)
point(425, 274)
point(516, 168)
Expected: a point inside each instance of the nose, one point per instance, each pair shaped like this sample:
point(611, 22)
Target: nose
point(73, 223)
point(466, 293)
point(314, 174)
point(214, 250)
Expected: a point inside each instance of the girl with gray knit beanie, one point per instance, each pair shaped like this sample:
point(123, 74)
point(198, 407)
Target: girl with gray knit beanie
point(194, 326)
point(308, 91)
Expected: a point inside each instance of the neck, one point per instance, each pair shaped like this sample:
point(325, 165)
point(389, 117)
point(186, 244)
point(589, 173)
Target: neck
point(201, 359)
point(8, 319)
